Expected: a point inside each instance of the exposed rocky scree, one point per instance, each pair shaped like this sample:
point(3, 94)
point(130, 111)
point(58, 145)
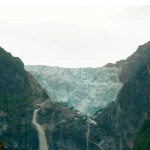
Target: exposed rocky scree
point(66, 129)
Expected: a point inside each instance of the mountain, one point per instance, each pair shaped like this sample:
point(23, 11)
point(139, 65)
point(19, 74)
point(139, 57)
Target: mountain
point(20, 97)
point(18, 93)
point(121, 124)
point(139, 59)
point(118, 64)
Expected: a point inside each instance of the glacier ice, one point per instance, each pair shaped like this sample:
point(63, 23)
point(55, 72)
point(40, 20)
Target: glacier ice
point(84, 89)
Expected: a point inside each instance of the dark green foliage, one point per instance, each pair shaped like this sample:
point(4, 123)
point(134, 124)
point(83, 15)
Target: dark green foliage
point(142, 141)
point(2, 145)
point(18, 91)
point(15, 90)
point(13, 103)
point(6, 59)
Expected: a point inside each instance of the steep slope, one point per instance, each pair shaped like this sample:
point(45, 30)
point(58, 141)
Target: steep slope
point(18, 93)
point(136, 61)
point(13, 88)
point(84, 89)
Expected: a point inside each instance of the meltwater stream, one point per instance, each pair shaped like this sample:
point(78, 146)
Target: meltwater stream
point(87, 135)
point(89, 122)
point(41, 133)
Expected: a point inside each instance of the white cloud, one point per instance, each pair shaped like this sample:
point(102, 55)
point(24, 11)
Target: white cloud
point(77, 2)
point(72, 35)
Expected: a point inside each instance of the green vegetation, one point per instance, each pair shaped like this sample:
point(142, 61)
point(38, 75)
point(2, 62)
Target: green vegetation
point(7, 59)
point(16, 98)
point(13, 103)
point(142, 141)
point(15, 89)
point(2, 145)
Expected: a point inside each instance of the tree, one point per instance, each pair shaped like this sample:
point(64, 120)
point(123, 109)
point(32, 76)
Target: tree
point(2, 145)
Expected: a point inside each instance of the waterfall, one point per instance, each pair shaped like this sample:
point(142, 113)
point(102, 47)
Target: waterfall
point(89, 122)
point(41, 133)
point(87, 135)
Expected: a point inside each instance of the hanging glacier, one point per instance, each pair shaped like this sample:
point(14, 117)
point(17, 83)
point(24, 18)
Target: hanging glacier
point(84, 89)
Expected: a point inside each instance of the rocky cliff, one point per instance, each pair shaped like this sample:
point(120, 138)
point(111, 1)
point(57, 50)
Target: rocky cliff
point(136, 61)
point(118, 64)
point(18, 94)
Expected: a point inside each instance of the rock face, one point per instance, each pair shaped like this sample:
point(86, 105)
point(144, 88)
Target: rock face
point(135, 62)
point(18, 92)
point(118, 64)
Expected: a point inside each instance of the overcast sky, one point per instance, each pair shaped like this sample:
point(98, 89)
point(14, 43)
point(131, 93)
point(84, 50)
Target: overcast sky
point(73, 33)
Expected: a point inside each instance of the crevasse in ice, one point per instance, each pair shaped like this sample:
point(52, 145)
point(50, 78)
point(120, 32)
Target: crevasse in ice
point(84, 89)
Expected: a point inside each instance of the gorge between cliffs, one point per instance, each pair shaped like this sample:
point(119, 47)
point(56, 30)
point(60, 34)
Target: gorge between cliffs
point(53, 108)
